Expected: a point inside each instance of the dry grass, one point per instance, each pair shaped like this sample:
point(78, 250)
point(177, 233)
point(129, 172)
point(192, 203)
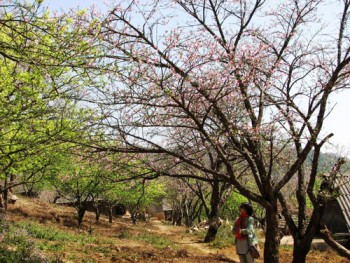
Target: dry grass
point(314, 256)
point(54, 230)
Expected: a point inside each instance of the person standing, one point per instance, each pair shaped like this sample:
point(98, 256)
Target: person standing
point(244, 235)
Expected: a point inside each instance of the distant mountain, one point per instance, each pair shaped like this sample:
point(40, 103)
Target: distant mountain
point(326, 162)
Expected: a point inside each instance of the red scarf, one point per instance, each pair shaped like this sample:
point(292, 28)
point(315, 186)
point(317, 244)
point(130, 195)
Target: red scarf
point(240, 224)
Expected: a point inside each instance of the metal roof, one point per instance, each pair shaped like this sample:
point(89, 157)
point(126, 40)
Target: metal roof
point(343, 184)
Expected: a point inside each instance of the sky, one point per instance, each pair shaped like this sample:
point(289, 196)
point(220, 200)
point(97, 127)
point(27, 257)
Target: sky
point(67, 4)
point(337, 122)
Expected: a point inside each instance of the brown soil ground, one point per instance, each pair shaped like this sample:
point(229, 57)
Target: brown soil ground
point(124, 242)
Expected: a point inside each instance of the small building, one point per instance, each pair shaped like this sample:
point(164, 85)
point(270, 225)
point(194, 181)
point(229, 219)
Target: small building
point(155, 210)
point(337, 213)
point(167, 210)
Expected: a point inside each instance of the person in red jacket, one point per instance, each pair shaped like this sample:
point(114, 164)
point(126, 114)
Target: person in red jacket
point(244, 234)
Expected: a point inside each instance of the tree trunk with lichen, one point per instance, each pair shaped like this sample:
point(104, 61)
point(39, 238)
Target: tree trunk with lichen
point(214, 219)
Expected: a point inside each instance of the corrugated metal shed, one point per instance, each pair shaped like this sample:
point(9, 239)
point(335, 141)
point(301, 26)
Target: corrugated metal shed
point(343, 184)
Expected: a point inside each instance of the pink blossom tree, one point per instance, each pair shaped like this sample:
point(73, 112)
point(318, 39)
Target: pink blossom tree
point(248, 82)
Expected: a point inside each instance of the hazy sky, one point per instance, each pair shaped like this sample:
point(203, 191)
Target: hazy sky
point(338, 122)
point(67, 4)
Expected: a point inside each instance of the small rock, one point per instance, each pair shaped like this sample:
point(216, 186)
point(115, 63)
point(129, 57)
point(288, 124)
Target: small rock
point(195, 229)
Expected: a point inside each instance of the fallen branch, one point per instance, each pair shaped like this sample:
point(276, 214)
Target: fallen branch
point(328, 238)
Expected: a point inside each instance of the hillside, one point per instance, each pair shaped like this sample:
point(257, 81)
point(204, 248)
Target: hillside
point(48, 233)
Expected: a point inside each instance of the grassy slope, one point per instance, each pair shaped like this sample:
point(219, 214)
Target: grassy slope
point(53, 231)
point(50, 232)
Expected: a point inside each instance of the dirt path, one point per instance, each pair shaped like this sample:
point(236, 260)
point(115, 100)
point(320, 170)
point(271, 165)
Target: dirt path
point(191, 242)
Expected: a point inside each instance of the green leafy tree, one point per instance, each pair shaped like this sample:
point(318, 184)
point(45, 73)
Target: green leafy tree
point(136, 195)
point(77, 179)
point(40, 69)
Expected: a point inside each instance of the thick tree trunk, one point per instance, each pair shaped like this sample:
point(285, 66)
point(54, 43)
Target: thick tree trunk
point(56, 197)
point(272, 238)
point(133, 217)
point(177, 217)
point(303, 240)
point(214, 224)
point(6, 199)
point(97, 214)
point(1, 199)
point(81, 213)
point(110, 215)
point(5, 194)
point(300, 251)
point(214, 220)
point(174, 216)
point(186, 215)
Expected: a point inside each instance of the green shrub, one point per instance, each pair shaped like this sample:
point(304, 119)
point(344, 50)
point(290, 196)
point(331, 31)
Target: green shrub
point(17, 246)
point(224, 237)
